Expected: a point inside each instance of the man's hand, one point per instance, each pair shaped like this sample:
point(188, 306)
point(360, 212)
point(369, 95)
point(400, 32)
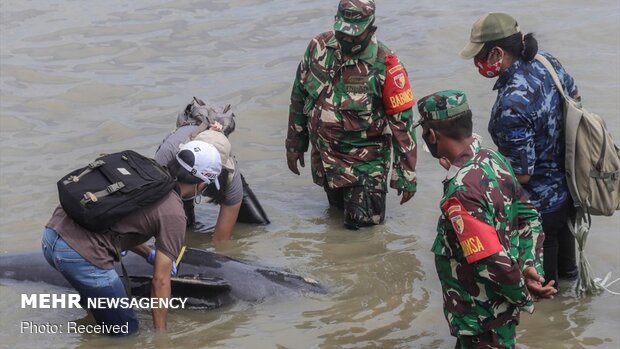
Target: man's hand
point(216, 126)
point(291, 161)
point(151, 260)
point(534, 283)
point(407, 195)
point(445, 163)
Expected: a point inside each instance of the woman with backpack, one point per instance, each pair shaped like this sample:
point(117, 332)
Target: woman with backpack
point(527, 126)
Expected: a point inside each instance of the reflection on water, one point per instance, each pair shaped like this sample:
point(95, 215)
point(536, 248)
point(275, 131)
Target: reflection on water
point(79, 79)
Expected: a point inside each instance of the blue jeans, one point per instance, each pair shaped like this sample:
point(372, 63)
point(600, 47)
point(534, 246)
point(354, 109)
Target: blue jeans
point(89, 280)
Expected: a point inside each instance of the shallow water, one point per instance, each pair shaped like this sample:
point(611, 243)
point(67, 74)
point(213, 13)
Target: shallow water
point(82, 78)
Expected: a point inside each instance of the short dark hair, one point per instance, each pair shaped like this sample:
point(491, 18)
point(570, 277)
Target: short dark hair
point(517, 45)
point(458, 127)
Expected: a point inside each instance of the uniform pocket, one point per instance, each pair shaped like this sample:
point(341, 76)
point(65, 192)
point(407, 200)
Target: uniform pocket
point(356, 111)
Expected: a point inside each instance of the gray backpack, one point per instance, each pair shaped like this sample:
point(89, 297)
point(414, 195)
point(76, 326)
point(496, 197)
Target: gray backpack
point(592, 173)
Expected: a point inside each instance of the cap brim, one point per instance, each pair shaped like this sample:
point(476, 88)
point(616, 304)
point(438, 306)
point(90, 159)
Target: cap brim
point(353, 29)
point(471, 50)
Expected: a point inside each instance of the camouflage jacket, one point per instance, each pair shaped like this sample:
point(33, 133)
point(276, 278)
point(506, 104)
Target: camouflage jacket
point(340, 107)
point(528, 128)
point(486, 293)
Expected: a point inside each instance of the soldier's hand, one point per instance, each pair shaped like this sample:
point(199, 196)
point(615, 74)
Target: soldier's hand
point(406, 195)
point(534, 284)
point(291, 161)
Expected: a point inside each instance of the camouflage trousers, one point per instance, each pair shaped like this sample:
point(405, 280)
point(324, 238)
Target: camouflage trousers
point(498, 338)
point(363, 205)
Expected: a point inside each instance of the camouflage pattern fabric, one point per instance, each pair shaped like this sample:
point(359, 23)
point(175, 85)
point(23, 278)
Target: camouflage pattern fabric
point(500, 337)
point(442, 105)
point(354, 16)
point(337, 105)
point(527, 127)
point(363, 205)
point(490, 292)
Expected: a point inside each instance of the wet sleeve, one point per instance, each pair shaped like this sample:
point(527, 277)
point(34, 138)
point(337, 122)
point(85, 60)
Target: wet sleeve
point(297, 138)
point(515, 138)
point(500, 269)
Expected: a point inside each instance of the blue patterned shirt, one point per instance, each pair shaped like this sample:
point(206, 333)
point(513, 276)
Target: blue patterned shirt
point(528, 128)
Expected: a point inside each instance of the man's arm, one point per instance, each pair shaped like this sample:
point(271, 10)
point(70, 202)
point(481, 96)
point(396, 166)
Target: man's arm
point(297, 137)
point(498, 268)
point(398, 101)
point(530, 234)
point(160, 288)
point(405, 153)
point(530, 248)
point(226, 220)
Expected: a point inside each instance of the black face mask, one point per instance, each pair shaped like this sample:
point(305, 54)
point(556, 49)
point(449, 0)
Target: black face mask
point(431, 147)
point(354, 48)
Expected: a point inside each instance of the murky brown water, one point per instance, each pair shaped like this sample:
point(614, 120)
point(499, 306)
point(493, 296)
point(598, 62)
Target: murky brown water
point(81, 78)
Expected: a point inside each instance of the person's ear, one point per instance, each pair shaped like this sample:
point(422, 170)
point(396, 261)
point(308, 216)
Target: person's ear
point(432, 136)
point(496, 54)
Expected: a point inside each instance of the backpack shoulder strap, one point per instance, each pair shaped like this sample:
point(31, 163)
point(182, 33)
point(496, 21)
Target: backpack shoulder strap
point(553, 73)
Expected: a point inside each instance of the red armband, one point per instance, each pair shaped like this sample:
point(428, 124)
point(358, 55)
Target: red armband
point(397, 95)
point(478, 239)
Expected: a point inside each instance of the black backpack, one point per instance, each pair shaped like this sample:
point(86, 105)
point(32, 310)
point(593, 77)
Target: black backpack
point(111, 187)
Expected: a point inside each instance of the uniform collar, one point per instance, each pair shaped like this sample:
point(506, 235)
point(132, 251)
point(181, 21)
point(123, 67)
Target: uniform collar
point(462, 158)
point(369, 54)
point(507, 75)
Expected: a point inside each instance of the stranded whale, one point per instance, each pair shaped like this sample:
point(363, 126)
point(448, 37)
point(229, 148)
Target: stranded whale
point(208, 279)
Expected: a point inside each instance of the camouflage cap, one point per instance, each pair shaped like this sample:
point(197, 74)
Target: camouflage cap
point(442, 105)
point(490, 27)
point(354, 16)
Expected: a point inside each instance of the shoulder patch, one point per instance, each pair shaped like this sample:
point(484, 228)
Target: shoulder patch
point(477, 239)
point(397, 94)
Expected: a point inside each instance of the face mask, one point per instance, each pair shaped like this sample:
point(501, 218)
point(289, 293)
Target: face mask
point(431, 147)
point(488, 70)
point(354, 48)
point(197, 195)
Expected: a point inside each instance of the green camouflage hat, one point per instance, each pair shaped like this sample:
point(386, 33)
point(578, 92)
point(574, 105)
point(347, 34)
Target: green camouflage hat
point(354, 16)
point(442, 105)
point(490, 27)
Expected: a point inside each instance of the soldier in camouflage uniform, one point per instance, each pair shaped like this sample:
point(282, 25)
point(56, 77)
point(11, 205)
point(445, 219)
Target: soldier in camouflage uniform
point(351, 99)
point(527, 126)
point(488, 249)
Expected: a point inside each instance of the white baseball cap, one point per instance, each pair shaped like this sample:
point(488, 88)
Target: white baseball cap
point(202, 160)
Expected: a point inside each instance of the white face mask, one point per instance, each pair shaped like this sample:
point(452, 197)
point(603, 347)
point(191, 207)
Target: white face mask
point(197, 195)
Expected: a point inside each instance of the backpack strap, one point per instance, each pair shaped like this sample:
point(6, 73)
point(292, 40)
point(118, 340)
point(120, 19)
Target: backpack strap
point(93, 165)
point(94, 197)
point(556, 79)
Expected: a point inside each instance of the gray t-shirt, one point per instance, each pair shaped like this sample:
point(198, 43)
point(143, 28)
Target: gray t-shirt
point(170, 146)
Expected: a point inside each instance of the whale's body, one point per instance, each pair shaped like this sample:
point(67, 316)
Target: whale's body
point(208, 279)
